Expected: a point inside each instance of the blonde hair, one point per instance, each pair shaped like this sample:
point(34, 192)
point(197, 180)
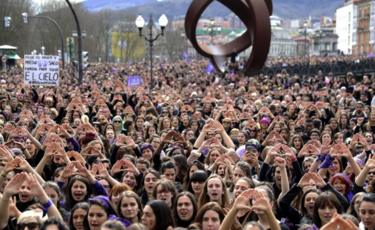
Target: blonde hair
point(36, 214)
point(85, 119)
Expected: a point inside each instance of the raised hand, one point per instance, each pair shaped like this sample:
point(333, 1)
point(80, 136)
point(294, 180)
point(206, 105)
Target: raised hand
point(280, 162)
point(315, 143)
point(130, 142)
point(337, 222)
point(306, 180)
point(36, 188)
point(261, 204)
point(209, 125)
point(68, 171)
point(243, 200)
point(95, 171)
point(309, 150)
point(120, 139)
point(12, 165)
point(169, 137)
point(338, 150)
point(118, 167)
point(13, 187)
point(12, 208)
point(130, 166)
point(5, 153)
point(320, 183)
point(102, 170)
point(371, 162)
point(75, 156)
point(24, 165)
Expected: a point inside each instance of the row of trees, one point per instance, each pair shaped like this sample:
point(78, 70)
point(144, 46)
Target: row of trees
point(98, 27)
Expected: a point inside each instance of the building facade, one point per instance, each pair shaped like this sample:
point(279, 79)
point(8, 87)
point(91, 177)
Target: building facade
point(355, 26)
point(324, 42)
point(346, 27)
point(282, 43)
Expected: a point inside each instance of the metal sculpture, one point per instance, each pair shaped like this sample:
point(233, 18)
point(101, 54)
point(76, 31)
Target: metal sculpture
point(255, 14)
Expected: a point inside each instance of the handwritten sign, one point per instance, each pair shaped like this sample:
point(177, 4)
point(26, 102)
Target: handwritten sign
point(41, 70)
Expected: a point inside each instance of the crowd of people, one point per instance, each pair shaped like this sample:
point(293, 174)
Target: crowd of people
point(197, 150)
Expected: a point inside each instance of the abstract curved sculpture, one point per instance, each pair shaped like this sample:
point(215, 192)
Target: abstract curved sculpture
point(255, 14)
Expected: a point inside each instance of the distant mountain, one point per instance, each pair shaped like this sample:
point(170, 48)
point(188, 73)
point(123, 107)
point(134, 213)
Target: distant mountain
point(290, 9)
point(97, 5)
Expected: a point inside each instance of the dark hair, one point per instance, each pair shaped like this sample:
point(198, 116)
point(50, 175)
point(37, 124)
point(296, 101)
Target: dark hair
point(183, 223)
point(198, 176)
point(54, 221)
point(163, 214)
point(130, 194)
point(180, 162)
point(245, 167)
point(166, 185)
point(137, 178)
point(113, 224)
point(147, 146)
point(57, 170)
point(187, 178)
point(167, 165)
point(69, 201)
point(323, 200)
point(80, 205)
point(368, 197)
point(104, 203)
point(153, 172)
point(209, 206)
point(302, 207)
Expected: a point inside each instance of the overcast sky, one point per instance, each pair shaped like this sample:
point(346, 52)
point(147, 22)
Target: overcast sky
point(39, 1)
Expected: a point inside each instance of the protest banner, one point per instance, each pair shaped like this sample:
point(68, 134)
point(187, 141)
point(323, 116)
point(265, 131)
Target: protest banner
point(41, 70)
point(135, 81)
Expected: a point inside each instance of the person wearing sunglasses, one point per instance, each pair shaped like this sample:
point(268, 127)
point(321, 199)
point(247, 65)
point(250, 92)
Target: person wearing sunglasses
point(31, 220)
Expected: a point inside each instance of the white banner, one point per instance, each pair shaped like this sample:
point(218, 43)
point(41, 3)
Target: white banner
point(41, 70)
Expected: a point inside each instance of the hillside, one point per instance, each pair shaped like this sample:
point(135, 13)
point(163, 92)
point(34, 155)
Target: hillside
point(290, 9)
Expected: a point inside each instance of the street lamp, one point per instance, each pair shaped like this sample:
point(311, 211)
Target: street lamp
point(305, 38)
point(25, 17)
point(320, 33)
point(80, 65)
point(43, 49)
point(140, 23)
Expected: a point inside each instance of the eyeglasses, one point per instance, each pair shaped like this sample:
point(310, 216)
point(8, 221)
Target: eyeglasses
point(21, 226)
point(116, 121)
point(371, 173)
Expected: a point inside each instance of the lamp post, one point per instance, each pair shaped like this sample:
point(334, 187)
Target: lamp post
point(80, 66)
point(26, 17)
point(140, 23)
point(305, 38)
point(305, 46)
point(321, 42)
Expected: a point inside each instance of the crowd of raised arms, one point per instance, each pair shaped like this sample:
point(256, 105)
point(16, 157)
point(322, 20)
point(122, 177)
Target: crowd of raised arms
point(196, 150)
